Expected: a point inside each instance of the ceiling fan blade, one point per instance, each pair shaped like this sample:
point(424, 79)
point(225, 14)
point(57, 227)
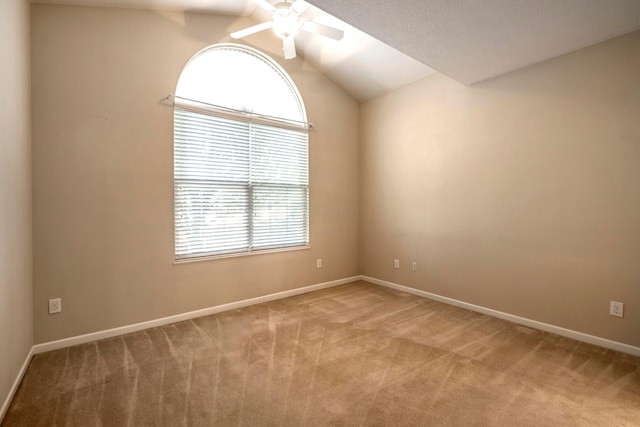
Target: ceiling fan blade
point(265, 5)
point(323, 30)
point(289, 47)
point(251, 30)
point(300, 6)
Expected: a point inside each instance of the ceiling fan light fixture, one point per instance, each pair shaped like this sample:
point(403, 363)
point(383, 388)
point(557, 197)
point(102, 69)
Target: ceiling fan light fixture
point(285, 22)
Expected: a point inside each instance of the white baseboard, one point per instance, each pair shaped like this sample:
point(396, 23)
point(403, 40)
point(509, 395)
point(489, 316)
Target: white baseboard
point(578, 336)
point(16, 384)
point(94, 336)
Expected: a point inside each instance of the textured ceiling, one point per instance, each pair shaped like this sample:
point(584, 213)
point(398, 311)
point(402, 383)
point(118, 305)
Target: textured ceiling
point(472, 40)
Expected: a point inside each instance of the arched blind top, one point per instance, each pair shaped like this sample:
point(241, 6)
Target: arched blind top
point(240, 78)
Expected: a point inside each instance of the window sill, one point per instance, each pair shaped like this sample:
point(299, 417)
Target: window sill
point(239, 254)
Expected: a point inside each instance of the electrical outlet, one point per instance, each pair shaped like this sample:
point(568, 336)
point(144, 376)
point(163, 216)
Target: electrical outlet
point(414, 266)
point(396, 263)
point(319, 263)
point(55, 305)
point(616, 309)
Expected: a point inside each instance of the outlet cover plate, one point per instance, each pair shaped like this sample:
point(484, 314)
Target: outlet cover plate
point(616, 309)
point(55, 305)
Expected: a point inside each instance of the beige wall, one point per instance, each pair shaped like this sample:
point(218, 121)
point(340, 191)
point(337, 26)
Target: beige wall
point(103, 189)
point(520, 194)
point(16, 330)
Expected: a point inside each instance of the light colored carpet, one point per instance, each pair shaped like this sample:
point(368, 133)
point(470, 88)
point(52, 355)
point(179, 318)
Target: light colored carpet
point(352, 355)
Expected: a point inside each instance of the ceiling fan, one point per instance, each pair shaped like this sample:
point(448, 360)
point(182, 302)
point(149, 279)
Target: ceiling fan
point(287, 22)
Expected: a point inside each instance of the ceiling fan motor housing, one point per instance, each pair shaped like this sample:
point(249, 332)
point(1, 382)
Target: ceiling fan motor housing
point(285, 20)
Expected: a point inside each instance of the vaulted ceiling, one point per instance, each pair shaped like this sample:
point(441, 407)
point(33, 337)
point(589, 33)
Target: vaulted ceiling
point(473, 40)
point(389, 44)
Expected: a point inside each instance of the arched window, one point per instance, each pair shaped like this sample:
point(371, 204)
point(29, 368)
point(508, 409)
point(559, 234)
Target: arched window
point(241, 182)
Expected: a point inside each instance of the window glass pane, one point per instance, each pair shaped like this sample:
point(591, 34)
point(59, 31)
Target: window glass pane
point(208, 147)
point(241, 80)
point(211, 219)
point(280, 216)
point(278, 155)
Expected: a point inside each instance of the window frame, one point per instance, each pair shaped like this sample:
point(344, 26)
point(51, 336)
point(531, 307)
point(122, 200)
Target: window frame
point(200, 107)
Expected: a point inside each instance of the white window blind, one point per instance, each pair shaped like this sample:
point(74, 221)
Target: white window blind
point(240, 186)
